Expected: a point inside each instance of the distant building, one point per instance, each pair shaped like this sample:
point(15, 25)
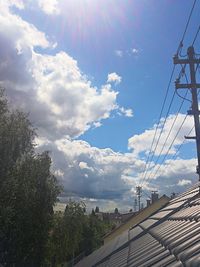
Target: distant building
point(116, 218)
point(154, 196)
point(137, 217)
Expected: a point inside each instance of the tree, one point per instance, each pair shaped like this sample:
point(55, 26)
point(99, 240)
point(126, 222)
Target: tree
point(67, 233)
point(116, 211)
point(97, 209)
point(28, 191)
point(93, 212)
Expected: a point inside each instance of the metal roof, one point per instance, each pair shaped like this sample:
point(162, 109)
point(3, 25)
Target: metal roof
point(170, 237)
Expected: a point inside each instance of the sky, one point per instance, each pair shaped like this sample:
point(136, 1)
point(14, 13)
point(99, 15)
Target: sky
point(93, 76)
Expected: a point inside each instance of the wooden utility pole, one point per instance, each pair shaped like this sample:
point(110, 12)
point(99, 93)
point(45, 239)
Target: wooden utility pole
point(138, 192)
point(192, 61)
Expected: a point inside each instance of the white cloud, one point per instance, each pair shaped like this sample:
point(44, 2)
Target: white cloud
point(128, 52)
point(127, 112)
point(97, 124)
point(83, 165)
point(59, 173)
point(17, 3)
point(114, 78)
point(63, 104)
point(50, 7)
point(135, 51)
point(184, 182)
point(93, 172)
point(66, 92)
point(51, 87)
point(142, 142)
point(119, 53)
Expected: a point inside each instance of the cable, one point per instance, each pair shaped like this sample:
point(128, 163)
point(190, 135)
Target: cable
point(180, 146)
point(186, 27)
point(198, 30)
point(153, 153)
point(171, 129)
point(169, 147)
point(163, 146)
point(182, 72)
point(183, 99)
point(146, 193)
point(150, 151)
point(166, 95)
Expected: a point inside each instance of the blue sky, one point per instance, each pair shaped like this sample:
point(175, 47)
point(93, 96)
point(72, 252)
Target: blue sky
point(99, 129)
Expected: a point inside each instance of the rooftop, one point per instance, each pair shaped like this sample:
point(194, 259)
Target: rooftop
point(169, 237)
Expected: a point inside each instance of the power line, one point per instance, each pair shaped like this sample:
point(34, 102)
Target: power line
point(160, 116)
point(161, 131)
point(181, 145)
point(171, 128)
point(146, 193)
point(174, 121)
point(147, 164)
point(186, 27)
point(198, 30)
point(169, 147)
point(178, 149)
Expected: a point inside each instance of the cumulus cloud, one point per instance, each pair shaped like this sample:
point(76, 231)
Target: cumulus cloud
point(129, 52)
point(17, 3)
point(50, 7)
point(135, 51)
point(51, 87)
point(127, 112)
point(93, 172)
point(63, 104)
point(119, 53)
point(114, 78)
point(184, 182)
point(66, 92)
point(173, 176)
point(142, 142)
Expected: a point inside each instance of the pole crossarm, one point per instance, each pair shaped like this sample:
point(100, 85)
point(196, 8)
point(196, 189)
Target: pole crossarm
point(187, 86)
point(190, 137)
point(178, 60)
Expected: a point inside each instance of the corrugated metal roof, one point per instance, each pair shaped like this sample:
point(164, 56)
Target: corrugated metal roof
point(171, 237)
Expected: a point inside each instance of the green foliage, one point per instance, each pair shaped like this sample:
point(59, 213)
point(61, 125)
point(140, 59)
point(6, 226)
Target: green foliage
point(30, 234)
point(66, 234)
point(75, 233)
point(96, 209)
point(116, 211)
point(28, 192)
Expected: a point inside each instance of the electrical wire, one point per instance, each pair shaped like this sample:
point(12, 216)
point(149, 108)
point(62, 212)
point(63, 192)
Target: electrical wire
point(166, 95)
point(169, 148)
point(198, 30)
point(174, 121)
point(160, 116)
point(146, 193)
point(186, 27)
point(171, 128)
point(181, 145)
point(161, 131)
point(174, 157)
point(182, 72)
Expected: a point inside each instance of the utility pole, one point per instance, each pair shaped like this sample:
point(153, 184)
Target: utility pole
point(138, 193)
point(135, 204)
point(193, 86)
